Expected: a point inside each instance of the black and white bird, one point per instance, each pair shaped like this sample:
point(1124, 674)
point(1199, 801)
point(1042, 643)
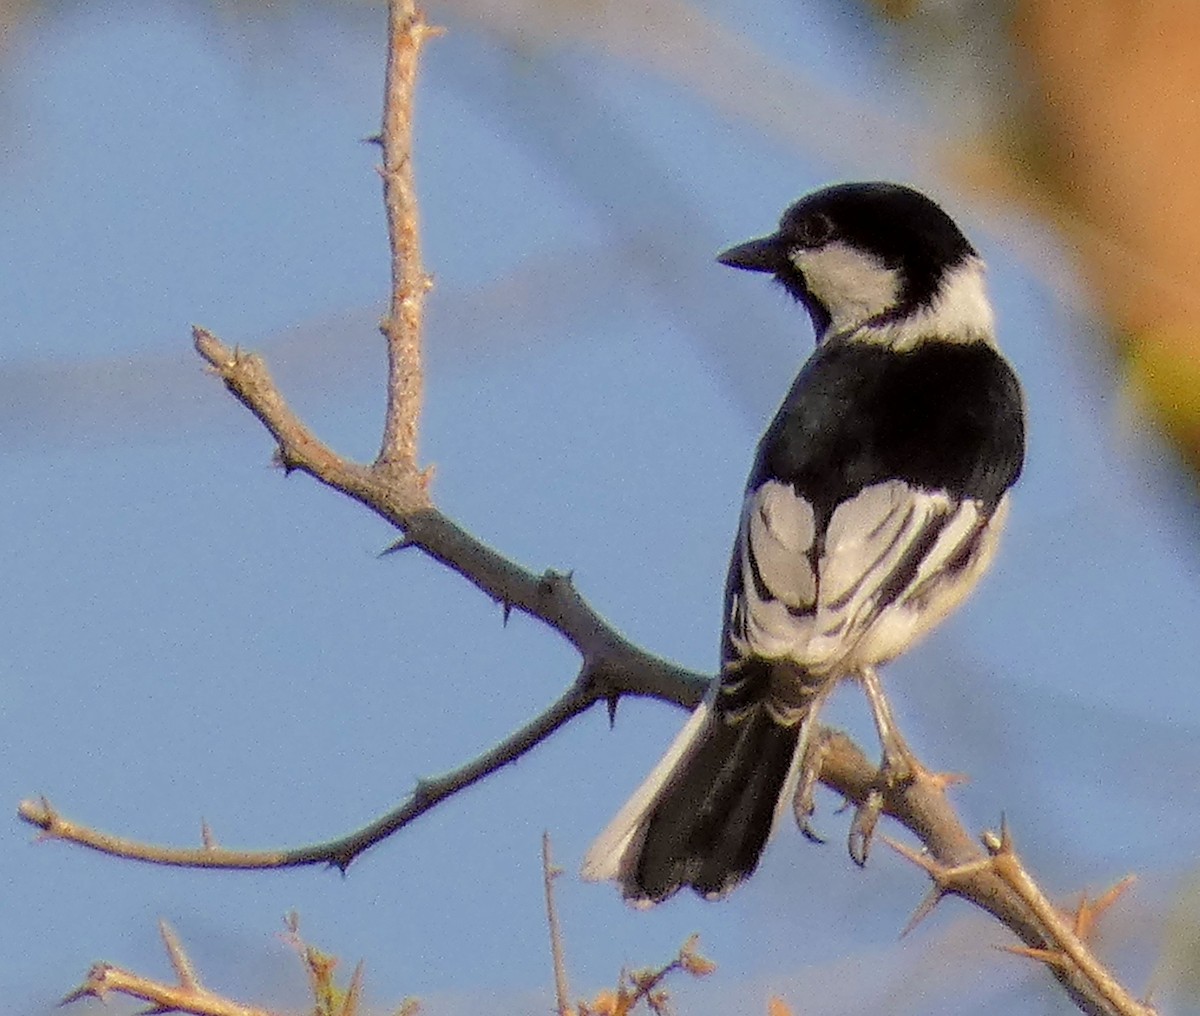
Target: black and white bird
point(874, 505)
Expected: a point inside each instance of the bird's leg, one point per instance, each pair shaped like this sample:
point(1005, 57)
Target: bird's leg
point(813, 747)
point(897, 764)
point(897, 767)
point(804, 803)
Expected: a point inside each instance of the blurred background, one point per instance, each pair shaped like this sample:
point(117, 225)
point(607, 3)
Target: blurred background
point(185, 633)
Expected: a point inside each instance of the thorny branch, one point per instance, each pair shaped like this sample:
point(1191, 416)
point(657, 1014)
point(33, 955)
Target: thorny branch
point(990, 876)
point(187, 995)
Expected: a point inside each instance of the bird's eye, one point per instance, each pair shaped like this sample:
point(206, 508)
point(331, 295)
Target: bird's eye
point(813, 230)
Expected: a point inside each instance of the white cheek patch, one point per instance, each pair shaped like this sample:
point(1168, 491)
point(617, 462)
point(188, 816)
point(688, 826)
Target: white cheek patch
point(851, 285)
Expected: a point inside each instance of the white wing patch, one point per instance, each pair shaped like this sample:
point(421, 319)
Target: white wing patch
point(895, 561)
point(781, 530)
point(779, 584)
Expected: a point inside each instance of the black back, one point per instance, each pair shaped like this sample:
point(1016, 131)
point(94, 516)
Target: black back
point(941, 416)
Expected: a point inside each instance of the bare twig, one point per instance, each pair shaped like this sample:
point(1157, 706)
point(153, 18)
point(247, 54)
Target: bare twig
point(338, 853)
point(187, 995)
point(180, 962)
point(562, 993)
point(407, 32)
point(995, 880)
point(646, 984)
point(403, 501)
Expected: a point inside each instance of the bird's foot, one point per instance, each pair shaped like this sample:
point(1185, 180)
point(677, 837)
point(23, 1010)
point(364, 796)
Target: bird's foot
point(804, 804)
point(898, 769)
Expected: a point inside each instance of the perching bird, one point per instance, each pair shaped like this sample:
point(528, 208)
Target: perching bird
point(874, 505)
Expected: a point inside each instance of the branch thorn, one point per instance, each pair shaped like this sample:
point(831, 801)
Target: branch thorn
point(945, 879)
point(1050, 957)
point(179, 959)
point(1089, 911)
point(401, 544)
point(918, 857)
point(926, 907)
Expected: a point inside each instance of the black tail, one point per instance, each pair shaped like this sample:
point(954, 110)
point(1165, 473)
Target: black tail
point(709, 825)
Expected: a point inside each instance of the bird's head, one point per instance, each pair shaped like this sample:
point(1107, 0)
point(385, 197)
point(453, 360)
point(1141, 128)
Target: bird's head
point(879, 258)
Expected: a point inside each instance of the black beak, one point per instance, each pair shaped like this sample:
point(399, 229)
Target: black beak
point(762, 255)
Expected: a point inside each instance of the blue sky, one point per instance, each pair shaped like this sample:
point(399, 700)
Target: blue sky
point(187, 633)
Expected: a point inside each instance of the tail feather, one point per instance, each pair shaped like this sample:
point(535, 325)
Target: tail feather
point(703, 816)
point(709, 831)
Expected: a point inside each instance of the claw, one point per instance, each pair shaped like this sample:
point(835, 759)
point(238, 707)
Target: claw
point(804, 806)
point(897, 769)
point(862, 828)
point(808, 832)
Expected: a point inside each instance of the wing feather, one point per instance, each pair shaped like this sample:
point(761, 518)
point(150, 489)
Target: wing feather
point(892, 561)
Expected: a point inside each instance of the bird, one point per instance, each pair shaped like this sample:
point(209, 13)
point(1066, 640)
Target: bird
point(874, 504)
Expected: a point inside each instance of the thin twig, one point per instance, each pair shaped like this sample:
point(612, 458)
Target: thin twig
point(645, 983)
point(185, 996)
point(562, 992)
point(339, 852)
point(407, 32)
